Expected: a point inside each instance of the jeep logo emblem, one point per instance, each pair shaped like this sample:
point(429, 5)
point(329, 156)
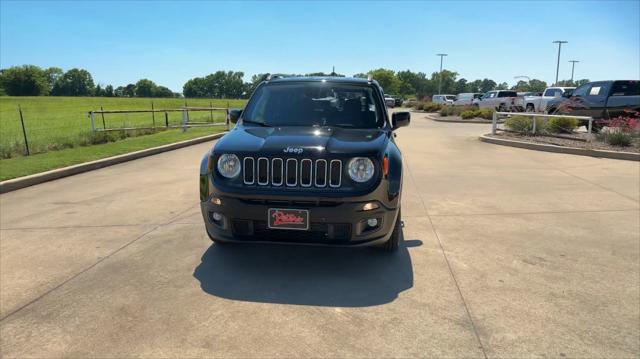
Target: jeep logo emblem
point(296, 150)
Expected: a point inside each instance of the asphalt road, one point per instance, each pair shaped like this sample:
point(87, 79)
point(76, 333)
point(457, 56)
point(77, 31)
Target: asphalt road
point(507, 253)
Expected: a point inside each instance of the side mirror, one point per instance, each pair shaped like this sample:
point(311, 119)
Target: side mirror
point(400, 119)
point(234, 114)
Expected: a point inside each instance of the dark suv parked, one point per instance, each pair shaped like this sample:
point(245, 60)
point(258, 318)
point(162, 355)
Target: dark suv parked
point(309, 161)
point(601, 100)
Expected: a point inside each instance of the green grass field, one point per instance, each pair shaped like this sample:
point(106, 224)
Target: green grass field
point(27, 165)
point(59, 129)
point(54, 123)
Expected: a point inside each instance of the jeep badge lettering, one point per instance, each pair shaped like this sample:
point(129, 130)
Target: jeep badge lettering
point(296, 150)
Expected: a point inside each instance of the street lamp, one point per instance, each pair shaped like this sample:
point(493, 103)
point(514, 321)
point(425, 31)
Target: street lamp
point(440, 77)
point(559, 42)
point(573, 66)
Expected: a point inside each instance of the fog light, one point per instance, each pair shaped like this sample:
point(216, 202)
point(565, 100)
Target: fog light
point(217, 216)
point(369, 206)
point(372, 222)
point(216, 201)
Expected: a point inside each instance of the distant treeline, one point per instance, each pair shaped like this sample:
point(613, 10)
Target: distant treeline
point(31, 80)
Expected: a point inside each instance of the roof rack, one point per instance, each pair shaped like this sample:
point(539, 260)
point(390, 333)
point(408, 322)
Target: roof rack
point(274, 76)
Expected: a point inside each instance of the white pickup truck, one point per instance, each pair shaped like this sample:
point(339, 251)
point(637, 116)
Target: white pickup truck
point(500, 100)
point(539, 103)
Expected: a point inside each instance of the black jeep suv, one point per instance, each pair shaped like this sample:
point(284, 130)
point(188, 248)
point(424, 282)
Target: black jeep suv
point(309, 161)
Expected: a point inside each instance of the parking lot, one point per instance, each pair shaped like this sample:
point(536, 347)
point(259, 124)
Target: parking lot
point(507, 253)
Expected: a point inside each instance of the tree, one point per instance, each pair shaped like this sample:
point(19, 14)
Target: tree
point(53, 75)
point(360, 75)
point(487, 85)
point(322, 74)
point(99, 91)
point(255, 81)
point(75, 82)
point(502, 86)
point(195, 88)
point(162, 91)
point(448, 81)
point(536, 85)
point(387, 79)
point(569, 83)
point(474, 86)
point(220, 84)
point(145, 88)
point(581, 82)
point(413, 83)
point(129, 90)
point(460, 86)
point(26, 80)
point(108, 91)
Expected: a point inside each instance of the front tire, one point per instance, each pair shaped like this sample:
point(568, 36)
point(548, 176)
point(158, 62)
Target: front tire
point(393, 243)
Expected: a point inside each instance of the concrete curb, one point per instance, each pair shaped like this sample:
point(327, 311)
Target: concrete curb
point(629, 156)
point(26, 181)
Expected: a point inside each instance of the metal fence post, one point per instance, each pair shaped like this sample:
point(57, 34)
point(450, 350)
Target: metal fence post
point(494, 123)
point(24, 132)
point(228, 119)
point(93, 125)
point(184, 119)
point(166, 120)
point(104, 126)
point(185, 105)
point(153, 115)
point(533, 131)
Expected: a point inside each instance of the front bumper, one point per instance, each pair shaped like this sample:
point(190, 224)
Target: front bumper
point(332, 221)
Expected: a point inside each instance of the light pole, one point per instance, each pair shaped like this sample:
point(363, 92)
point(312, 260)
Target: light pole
point(559, 42)
point(573, 66)
point(440, 77)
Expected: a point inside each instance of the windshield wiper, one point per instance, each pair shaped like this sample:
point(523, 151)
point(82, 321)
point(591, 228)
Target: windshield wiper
point(256, 123)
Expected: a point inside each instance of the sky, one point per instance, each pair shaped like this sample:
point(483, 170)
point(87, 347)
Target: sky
point(169, 42)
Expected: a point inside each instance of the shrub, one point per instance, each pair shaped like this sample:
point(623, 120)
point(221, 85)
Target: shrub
point(628, 124)
point(523, 124)
point(485, 113)
point(561, 125)
point(467, 115)
point(418, 106)
point(446, 111)
point(618, 138)
point(431, 107)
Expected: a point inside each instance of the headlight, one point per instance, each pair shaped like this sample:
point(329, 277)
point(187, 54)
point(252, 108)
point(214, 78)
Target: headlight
point(229, 165)
point(361, 169)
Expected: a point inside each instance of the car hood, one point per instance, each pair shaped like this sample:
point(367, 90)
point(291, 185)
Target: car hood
point(302, 141)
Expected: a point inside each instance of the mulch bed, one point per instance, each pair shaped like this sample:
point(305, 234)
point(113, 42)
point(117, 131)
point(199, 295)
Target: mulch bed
point(566, 142)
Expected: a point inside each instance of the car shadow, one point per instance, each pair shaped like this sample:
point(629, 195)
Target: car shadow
point(306, 275)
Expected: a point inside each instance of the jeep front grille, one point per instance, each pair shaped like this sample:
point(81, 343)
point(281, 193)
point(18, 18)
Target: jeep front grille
point(292, 172)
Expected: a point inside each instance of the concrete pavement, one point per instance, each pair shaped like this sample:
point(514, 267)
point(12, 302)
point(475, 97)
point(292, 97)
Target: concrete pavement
point(508, 253)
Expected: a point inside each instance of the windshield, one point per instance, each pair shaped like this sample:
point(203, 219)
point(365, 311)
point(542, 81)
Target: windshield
point(315, 104)
point(450, 98)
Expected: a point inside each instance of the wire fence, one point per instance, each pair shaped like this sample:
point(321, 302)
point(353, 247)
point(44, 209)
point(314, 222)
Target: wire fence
point(221, 117)
point(42, 125)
